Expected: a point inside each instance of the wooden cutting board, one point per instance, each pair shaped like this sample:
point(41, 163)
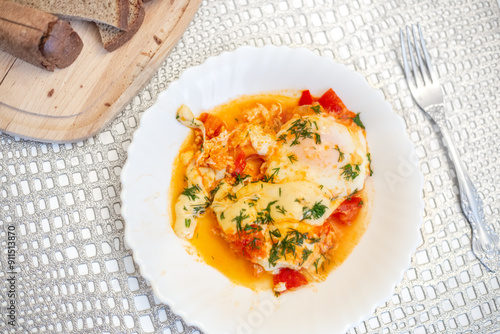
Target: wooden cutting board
point(74, 103)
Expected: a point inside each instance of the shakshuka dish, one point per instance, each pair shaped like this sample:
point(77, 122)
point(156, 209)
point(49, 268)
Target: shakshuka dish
point(273, 190)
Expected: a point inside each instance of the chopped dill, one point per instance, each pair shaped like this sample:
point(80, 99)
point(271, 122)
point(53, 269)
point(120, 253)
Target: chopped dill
point(292, 157)
point(239, 219)
point(316, 264)
point(281, 209)
point(358, 122)
point(191, 192)
point(240, 179)
point(199, 209)
point(370, 163)
point(316, 212)
point(252, 228)
point(341, 154)
point(316, 109)
point(305, 255)
point(301, 129)
point(349, 172)
point(264, 216)
point(270, 178)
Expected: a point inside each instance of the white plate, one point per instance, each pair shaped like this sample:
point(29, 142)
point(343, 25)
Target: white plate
point(206, 298)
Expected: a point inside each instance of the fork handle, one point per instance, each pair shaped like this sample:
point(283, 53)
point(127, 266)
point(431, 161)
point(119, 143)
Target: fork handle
point(470, 201)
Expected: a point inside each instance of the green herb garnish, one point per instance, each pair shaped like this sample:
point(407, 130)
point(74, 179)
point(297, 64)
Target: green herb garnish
point(357, 120)
point(264, 216)
point(239, 219)
point(316, 109)
point(302, 129)
point(199, 209)
point(240, 179)
point(370, 163)
point(230, 196)
point(191, 192)
point(317, 138)
point(341, 154)
point(305, 255)
point(215, 190)
point(276, 233)
point(349, 197)
point(286, 246)
point(253, 243)
point(349, 172)
point(316, 264)
point(316, 212)
point(252, 228)
point(270, 178)
point(313, 240)
point(281, 209)
point(292, 157)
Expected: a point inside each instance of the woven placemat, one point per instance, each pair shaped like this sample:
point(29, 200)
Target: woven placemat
point(73, 273)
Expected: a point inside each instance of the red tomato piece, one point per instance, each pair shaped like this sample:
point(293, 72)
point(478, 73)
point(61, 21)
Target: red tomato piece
point(305, 98)
point(331, 102)
point(248, 243)
point(213, 125)
point(240, 163)
point(348, 210)
point(291, 278)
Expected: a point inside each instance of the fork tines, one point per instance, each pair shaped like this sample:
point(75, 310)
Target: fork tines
point(424, 66)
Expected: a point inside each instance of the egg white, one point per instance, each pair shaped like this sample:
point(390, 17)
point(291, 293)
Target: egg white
point(322, 161)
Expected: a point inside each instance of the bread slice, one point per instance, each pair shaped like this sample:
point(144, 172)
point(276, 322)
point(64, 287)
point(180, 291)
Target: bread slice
point(112, 38)
point(112, 12)
point(37, 37)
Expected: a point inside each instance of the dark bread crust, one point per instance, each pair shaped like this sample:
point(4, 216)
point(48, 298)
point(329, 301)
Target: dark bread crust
point(62, 45)
point(112, 12)
point(124, 6)
point(125, 36)
point(37, 37)
point(113, 38)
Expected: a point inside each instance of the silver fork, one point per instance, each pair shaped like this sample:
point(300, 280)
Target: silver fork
point(426, 91)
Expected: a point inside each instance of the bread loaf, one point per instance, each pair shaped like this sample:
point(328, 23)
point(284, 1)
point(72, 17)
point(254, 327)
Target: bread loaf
point(112, 38)
point(37, 37)
point(112, 12)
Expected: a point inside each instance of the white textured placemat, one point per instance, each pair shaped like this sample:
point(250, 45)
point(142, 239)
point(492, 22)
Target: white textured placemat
point(75, 274)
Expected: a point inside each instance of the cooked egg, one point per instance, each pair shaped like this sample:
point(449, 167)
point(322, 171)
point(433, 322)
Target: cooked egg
point(192, 202)
point(275, 210)
point(265, 203)
point(323, 150)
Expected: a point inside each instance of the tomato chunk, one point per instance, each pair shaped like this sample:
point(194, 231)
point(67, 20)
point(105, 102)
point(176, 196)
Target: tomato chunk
point(331, 102)
point(213, 125)
point(291, 278)
point(348, 210)
point(305, 98)
point(240, 163)
point(248, 242)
